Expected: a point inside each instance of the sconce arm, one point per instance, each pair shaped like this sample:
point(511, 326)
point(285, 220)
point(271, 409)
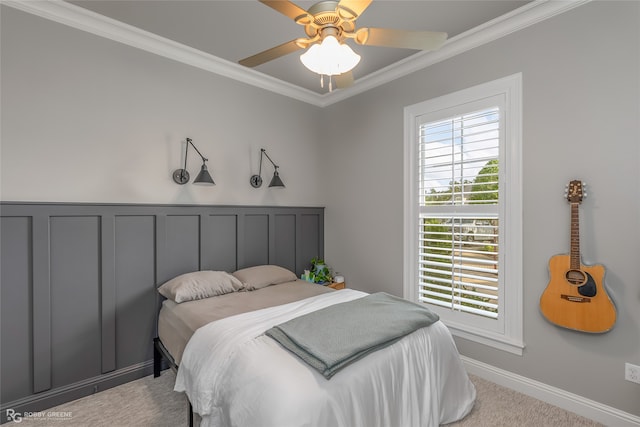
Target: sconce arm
point(265, 153)
point(204, 159)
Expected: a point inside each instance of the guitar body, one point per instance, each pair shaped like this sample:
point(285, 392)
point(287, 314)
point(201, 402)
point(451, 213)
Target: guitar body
point(576, 298)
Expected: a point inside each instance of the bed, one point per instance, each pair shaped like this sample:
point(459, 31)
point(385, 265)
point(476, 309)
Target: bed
point(235, 373)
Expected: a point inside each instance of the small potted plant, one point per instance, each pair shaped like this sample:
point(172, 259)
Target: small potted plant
point(319, 271)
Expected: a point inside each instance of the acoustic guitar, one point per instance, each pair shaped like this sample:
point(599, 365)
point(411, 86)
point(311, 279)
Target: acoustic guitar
point(575, 297)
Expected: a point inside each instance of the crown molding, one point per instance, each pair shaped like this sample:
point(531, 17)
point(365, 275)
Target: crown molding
point(83, 19)
point(94, 23)
point(518, 19)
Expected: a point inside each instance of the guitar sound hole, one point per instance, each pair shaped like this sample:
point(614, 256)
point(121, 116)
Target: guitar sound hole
point(576, 277)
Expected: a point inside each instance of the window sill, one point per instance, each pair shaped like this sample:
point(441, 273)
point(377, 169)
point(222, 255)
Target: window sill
point(496, 341)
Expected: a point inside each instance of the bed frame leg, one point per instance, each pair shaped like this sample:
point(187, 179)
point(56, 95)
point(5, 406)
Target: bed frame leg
point(159, 352)
point(157, 359)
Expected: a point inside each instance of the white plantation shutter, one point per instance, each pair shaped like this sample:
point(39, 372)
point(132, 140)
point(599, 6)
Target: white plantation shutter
point(459, 219)
point(463, 211)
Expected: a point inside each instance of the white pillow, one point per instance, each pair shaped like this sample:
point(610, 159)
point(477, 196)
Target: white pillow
point(199, 285)
point(264, 275)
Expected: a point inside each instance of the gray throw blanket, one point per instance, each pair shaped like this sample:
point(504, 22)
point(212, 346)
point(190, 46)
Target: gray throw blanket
point(331, 338)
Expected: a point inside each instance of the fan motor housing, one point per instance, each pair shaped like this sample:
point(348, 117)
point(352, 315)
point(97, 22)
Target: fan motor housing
point(326, 14)
point(323, 7)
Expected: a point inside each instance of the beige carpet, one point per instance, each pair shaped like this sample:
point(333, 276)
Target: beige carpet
point(152, 402)
point(499, 406)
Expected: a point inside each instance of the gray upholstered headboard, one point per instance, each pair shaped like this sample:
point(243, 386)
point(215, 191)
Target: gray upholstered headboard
point(78, 283)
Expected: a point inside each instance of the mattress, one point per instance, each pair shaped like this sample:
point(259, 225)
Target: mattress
point(178, 322)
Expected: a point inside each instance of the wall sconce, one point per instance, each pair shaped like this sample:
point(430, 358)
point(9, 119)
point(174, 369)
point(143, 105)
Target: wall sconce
point(256, 180)
point(181, 176)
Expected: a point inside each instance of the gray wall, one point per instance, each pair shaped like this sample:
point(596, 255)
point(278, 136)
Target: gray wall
point(86, 119)
point(75, 105)
point(78, 296)
point(581, 102)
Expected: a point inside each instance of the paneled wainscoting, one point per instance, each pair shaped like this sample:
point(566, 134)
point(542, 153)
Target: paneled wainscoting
point(78, 283)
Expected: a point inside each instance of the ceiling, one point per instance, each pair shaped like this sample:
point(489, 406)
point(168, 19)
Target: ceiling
point(233, 30)
point(214, 35)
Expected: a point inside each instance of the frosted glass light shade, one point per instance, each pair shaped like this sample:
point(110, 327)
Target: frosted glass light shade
point(330, 57)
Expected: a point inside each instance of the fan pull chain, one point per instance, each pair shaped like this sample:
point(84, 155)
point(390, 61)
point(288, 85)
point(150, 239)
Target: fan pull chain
point(330, 82)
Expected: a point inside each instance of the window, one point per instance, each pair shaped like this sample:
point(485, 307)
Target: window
point(463, 209)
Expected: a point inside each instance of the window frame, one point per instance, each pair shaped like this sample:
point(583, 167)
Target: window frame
point(506, 333)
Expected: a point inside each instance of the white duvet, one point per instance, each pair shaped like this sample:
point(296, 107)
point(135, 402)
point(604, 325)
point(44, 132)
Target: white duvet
point(236, 376)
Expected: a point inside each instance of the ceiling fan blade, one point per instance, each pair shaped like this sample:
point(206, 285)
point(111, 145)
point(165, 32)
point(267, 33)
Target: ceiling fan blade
point(289, 9)
point(343, 80)
point(420, 40)
point(352, 9)
point(270, 54)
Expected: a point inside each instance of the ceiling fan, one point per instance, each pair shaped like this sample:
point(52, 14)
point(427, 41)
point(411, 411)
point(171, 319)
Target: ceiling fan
point(330, 21)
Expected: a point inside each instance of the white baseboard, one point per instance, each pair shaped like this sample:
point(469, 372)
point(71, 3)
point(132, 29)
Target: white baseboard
point(571, 402)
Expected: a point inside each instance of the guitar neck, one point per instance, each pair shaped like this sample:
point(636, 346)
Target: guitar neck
point(575, 237)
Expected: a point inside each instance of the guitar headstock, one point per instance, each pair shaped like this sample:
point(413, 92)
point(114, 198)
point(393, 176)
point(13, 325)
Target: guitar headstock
point(575, 191)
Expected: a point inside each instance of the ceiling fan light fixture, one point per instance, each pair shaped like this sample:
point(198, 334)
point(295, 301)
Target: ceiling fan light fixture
point(330, 58)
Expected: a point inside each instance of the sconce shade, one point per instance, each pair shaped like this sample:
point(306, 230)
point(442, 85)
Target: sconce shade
point(204, 178)
point(276, 181)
